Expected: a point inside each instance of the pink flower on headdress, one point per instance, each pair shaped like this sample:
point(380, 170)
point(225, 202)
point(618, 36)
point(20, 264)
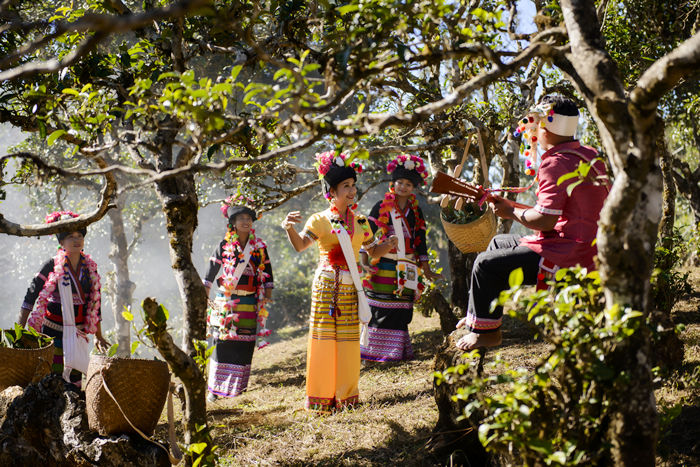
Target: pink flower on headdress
point(233, 200)
point(59, 216)
point(410, 162)
point(325, 160)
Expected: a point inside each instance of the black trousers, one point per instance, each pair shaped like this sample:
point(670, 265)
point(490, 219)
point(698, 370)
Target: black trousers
point(490, 276)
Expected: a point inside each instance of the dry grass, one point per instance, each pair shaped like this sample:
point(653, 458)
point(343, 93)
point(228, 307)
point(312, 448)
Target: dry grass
point(268, 425)
point(679, 396)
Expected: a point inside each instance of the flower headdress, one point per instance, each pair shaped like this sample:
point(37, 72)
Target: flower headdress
point(542, 115)
point(408, 166)
point(61, 216)
point(92, 316)
point(334, 167)
point(238, 203)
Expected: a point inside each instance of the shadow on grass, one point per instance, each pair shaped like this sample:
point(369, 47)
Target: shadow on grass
point(679, 445)
point(400, 448)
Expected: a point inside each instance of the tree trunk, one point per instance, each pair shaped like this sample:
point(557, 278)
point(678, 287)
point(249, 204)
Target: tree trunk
point(124, 288)
point(626, 242)
point(629, 221)
point(460, 267)
point(668, 215)
point(179, 202)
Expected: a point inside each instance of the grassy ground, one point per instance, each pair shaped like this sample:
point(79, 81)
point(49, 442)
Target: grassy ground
point(678, 396)
point(268, 426)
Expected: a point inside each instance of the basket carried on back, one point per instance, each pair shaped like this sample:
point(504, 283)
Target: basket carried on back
point(473, 236)
point(19, 367)
point(139, 386)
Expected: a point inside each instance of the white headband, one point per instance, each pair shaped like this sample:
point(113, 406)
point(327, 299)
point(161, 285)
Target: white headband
point(562, 125)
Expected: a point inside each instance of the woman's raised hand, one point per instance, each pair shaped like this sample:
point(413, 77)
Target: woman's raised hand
point(292, 218)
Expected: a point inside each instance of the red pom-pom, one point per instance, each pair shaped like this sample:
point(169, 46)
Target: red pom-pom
point(540, 277)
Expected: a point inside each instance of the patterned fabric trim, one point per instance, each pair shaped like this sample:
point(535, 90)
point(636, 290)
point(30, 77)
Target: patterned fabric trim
point(392, 303)
point(27, 306)
point(41, 276)
point(423, 258)
point(327, 405)
point(310, 234)
point(216, 260)
point(479, 325)
point(207, 283)
point(323, 326)
point(269, 285)
point(226, 379)
point(59, 327)
point(387, 345)
point(553, 212)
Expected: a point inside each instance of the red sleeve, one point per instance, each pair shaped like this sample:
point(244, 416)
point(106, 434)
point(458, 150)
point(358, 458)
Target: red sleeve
point(551, 198)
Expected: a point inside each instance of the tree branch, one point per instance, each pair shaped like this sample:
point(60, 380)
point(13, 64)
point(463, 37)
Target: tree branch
point(665, 73)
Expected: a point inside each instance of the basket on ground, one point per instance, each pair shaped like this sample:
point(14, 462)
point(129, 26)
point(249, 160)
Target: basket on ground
point(140, 388)
point(473, 236)
point(19, 367)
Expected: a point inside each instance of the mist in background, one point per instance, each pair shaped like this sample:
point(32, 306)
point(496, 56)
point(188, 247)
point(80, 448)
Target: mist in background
point(149, 264)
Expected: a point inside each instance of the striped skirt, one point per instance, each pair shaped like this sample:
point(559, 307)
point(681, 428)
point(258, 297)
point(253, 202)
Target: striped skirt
point(389, 340)
point(333, 355)
point(229, 365)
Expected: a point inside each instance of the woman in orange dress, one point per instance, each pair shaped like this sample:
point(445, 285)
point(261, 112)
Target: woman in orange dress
point(333, 356)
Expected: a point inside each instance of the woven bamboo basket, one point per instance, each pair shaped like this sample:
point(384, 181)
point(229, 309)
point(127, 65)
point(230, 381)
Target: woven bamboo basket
point(19, 367)
point(474, 236)
point(140, 388)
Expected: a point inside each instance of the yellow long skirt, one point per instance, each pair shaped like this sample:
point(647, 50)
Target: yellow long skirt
point(333, 356)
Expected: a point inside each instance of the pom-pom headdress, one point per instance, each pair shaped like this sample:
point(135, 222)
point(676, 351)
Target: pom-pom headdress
point(542, 115)
point(60, 216)
point(410, 167)
point(334, 167)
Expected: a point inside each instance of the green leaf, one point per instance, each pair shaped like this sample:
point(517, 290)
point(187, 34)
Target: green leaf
point(571, 187)
point(112, 350)
point(197, 448)
point(54, 136)
point(235, 71)
point(516, 277)
point(127, 315)
point(70, 91)
point(343, 10)
point(134, 346)
point(566, 177)
point(558, 457)
point(42, 129)
point(162, 314)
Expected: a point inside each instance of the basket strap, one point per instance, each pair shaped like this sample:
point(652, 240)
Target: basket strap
point(173, 460)
point(482, 155)
point(458, 169)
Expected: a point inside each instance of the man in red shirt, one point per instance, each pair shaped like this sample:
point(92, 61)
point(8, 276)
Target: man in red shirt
point(565, 224)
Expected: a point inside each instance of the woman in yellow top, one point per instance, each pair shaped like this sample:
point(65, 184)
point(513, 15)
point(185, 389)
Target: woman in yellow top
point(333, 356)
